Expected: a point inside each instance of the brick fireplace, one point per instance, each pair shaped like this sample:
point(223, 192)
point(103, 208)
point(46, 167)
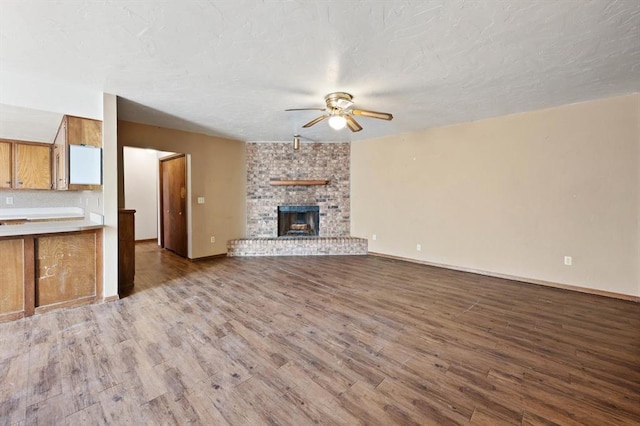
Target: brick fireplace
point(280, 178)
point(268, 161)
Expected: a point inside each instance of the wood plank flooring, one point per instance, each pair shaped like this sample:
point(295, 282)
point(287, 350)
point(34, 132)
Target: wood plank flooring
point(324, 340)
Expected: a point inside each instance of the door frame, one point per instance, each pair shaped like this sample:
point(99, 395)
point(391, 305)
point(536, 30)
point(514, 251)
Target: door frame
point(161, 199)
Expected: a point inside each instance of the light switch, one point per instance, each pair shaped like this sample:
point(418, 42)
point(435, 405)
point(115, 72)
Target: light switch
point(200, 200)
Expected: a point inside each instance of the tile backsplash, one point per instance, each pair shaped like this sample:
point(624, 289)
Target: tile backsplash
point(90, 201)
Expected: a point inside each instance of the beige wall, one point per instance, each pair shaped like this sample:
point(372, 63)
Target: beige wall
point(511, 195)
point(218, 173)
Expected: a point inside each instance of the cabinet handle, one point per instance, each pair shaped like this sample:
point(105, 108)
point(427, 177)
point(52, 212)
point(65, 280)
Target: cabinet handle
point(55, 170)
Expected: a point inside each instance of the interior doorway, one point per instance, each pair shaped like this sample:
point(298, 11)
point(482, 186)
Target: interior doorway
point(173, 204)
point(142, 192)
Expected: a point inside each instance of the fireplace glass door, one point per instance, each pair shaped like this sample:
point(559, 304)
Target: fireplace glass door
point(298, 221)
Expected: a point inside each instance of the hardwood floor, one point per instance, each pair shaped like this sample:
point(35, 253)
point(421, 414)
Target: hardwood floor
point(327, 340)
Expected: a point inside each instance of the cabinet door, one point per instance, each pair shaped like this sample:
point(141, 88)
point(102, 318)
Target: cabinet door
point(33, 166)
point(66, 268)
point(81, 131)
point(12, 276)
point(84, 131)
point(60, 172)
point(5, 164)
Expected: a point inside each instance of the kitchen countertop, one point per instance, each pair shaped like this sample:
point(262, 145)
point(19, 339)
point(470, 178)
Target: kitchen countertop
point(47, 221)
point(44, 213)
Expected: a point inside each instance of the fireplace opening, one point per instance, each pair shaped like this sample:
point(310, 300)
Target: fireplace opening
point(298, 221)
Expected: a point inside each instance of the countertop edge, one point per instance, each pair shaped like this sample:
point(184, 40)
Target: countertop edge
point(47, 228)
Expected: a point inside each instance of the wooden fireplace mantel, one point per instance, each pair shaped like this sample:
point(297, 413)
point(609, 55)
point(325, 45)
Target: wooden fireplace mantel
point(299, 182)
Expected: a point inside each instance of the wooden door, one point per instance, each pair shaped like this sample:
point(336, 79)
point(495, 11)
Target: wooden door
point(33, 166)
point(173, 201)
point(5, 164)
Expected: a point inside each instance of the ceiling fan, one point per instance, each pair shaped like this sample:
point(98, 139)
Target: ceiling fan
point(339, 114)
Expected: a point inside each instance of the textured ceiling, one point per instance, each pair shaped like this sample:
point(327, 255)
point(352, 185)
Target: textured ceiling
point(231, 68)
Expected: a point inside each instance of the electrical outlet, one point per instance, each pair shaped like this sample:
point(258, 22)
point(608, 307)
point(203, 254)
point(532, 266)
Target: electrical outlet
point(374, 237)
point(200, 200)
point(9, 200)
point(419, 247)
point(568, 260)
point(213, 240)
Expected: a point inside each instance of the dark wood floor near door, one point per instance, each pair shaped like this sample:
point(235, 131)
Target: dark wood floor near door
point(328, 340)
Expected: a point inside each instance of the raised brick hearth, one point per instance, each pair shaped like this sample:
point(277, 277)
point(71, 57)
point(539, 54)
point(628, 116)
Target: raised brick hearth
point(298, 246)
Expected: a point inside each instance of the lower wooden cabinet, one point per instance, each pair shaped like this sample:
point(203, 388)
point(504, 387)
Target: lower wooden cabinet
point(66, 268)
point(43, 272)
point(12, 276)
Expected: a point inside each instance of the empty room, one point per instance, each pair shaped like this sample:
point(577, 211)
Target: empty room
point(292, 212)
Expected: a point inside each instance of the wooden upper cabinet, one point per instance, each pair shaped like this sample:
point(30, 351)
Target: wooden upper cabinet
point(32, 166)
point(6, 164)
point(25, 165)
point(83, 131)
point(73, 131)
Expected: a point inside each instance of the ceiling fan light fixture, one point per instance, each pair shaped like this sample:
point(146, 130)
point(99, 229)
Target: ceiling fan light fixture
point(339, 113)
point(337, 122)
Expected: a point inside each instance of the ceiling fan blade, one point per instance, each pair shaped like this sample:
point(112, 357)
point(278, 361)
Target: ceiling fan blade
point(352, 124)
point(306, 109)
point(316, 120)
point(372, 114)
